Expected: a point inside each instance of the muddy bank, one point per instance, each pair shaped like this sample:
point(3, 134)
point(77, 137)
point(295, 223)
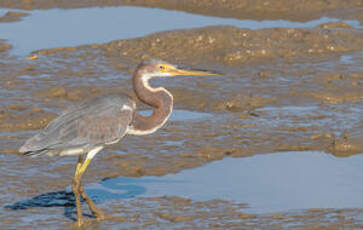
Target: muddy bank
point(259, 10)
point(229, 45)
point(4, 47)
point(11, 16)
point(176, 212)
point(276, 81)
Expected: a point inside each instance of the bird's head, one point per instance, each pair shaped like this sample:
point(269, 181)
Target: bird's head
point(159, 68)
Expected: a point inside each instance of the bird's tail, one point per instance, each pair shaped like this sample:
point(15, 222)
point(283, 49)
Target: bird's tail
point(35, 153)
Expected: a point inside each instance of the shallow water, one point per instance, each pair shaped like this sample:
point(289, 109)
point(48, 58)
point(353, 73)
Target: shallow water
point(276, 182)
point(58, 28)
point(183, 115)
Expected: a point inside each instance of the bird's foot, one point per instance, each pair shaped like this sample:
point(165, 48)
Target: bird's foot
point(79, 223)
point(98, 214)
point(100, 217)
point(95, 210)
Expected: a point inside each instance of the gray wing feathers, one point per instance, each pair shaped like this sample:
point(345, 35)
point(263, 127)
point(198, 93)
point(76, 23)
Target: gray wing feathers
point(100, 121)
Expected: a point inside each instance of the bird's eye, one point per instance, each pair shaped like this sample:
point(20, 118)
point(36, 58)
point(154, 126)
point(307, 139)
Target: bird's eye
point(161, 67)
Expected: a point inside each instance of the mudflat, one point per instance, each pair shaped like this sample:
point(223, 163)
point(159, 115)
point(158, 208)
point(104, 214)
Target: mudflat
point(283, 90)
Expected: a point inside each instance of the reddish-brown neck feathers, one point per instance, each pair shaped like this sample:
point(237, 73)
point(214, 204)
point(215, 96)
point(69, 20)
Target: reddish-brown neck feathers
point(158, 98)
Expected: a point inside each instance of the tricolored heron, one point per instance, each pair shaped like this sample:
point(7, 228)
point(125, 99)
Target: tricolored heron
point(86, 128)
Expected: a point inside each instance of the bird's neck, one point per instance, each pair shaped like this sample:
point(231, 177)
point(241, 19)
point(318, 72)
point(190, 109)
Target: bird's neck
point(158, 98)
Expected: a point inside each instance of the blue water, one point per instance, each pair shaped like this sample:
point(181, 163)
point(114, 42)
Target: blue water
point(267, 183)
point(73, 27)
point(183, 115)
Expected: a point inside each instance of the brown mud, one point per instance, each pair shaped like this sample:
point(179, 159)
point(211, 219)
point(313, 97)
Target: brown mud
point(294, 10)
point(4, 47)
point(259, 58)
point(183, 213)
point(276, 81)
point(229, 50)
point(11, 16)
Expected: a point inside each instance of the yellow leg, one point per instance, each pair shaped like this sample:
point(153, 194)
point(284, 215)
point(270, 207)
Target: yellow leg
point(94, 209)
point(84, 166)
point(75, 187)
point(79, 164)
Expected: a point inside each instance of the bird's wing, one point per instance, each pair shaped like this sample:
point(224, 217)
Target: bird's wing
point(97, 122)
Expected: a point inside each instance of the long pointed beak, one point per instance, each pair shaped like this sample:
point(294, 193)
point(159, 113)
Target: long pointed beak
point(184, 72)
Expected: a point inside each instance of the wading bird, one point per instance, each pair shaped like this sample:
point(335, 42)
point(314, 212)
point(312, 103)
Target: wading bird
point(85, 129)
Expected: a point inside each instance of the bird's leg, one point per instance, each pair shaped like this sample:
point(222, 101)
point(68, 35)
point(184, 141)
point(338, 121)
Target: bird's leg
point(94, 209)
point(75, 187)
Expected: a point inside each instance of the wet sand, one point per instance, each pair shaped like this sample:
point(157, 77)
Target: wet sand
point(284, 89)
